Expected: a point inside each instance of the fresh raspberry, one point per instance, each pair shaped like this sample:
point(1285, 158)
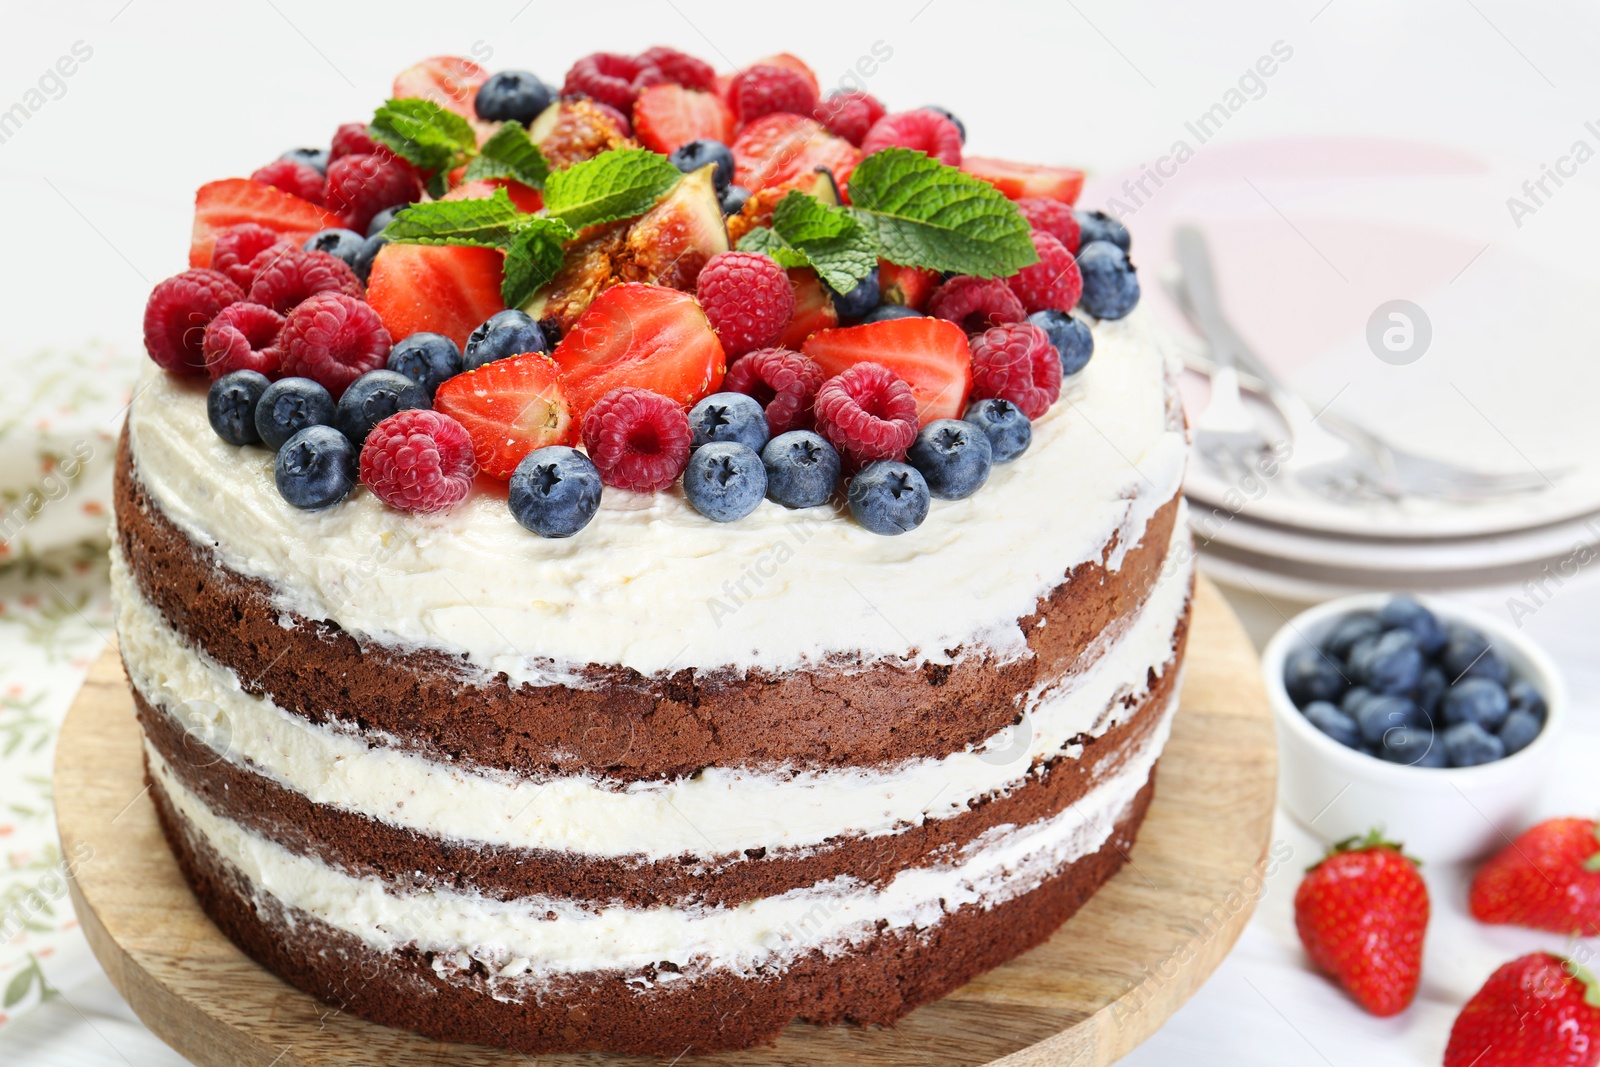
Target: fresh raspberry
point(362, 185)
point(613, 79)
point(748, 299)
point(1053, 217)
point(638, 440)
point(922, 130)
point(1016, 362)
point(867, 413)
point(333, 339)
point(782, 381)
point(765, 89)
point(1053, 282)
point(975, 304)
point(237, 245)
point(176, 315)
point(849, 115)
point(686, 70)
point(296, 179)
point(242, 337)
point(286, 276)
point(418, 460)
point(352, 139)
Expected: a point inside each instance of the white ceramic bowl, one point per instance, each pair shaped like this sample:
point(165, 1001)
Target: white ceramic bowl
point(1442, 815)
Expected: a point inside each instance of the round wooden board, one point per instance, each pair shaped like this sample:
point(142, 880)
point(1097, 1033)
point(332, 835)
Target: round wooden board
point(1106, 981)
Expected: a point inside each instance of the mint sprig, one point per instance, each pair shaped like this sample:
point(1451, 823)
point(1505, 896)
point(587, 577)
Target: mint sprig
point(433, 139)
point(533, 244)
point(922, 213)
point(614, 185)
point(508, 153)
point(808, 233)
point(768, 243)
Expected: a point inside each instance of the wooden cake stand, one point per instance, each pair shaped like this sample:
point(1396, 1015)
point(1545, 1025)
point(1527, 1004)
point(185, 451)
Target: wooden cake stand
point(1105, 982)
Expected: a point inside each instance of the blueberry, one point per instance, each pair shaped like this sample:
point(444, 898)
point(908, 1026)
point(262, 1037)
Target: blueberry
point(885, 312)
point(1333, 722)
point(381, 220)
point(231, 406)
point(1110, 286)
point(1071, 337)
point(1412, 746)
point(346, 244)
point(954, 457)
point(1476, 700)
point(1390, 664)
point(315, 468)
point(961, 127)
point(429, 359)
point(725, 481)
point(1430, 689)
point(555, 491)
point(1003, 423)
point(1098, 226)
point(1381, 714)
point(1309, 675)
point(858, 301)
point(369, 252)
point(1519, 731)
point(315, 158)
point(802, 469)
point(1525, 697)
point(1468, 653)
point(290, 405)
point(692, 155)
point(888, 497)
point(729, 417)
point(1354, 698)
point(1467, 745)
point(1352, 628)
point(511, 96)
point(1405, 613)
point(733, 199)
point(505, 333)
point(372, 398)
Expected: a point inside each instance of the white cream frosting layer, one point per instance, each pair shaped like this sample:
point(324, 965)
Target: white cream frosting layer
point(535, 937)
point(716, 813)
point(652, 585)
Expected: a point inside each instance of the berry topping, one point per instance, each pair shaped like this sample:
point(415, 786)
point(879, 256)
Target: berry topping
point(1016, 363)
point(782, 148)
point(231, 406)
point(315, 158)
point(923, 130)
point(1547, 879)
point(910, 286)
point(1467, 653)
point(690, 156)
point(510, 408)
point(1539, 1009)
point(418, 460)
point(954, 457)
point(733, 199)
point(372, 398)
point(176, 316)
point(849, 115)
point(352, 139)
point(449, 81)
point(1476, 700)
point(315, 468)
point(242, 337)
point(1003, 423)
point(290, 405)
point(511, 96)
point(1069, 336)
point(612, 79)
point(1053, 282)
point(360, 186)
point(638, 440)
point(333, 338)
point(286, 276)
point(1467, 745)
point(930, 355)
point(766, 89)
point(1334, 722)
point(425, 288)
point(1390, 664)
point(1096, 225)
point(1520, 730)
point(237, 247)
point(946, 113)
point(1017, 180)
point(296, 179)
point(976, 304)
point(725, 480)
point(860, 300)
point(381, 220)
point(747, 298)
point(555, 491)
point(1407, 613)
point(339, 243)
point(429, 359)
point(680, 68)
point(867, 413)
point(1110, 286)
point(503, 334)
point(889, 498)
point(221, 205)
point(729, 417)
point(813, 308)
point(666, 117)
point(782, 381)
point(885, 312)
point(802, 469)
point(1053, 217)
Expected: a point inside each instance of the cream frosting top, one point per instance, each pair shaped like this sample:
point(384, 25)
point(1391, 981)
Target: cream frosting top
point(652, 585)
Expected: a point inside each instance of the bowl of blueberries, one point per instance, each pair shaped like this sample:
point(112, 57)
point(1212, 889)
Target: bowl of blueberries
point(1435, 722)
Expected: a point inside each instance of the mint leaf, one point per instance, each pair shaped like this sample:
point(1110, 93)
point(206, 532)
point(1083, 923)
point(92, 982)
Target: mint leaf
point(487, 223)
point(923, 213)
point(533, 257)
point(769, 243)
point(613, 185)
point(840, 249)
point(423, 133)
point(510, 154)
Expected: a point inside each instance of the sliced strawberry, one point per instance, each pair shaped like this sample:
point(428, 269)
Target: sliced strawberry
point(781, 148)
point(416, 288)
point(509, 407)
point(640, 335)
point(1017, 180)
point(666, 116)
point(910, 286)
point(813, 308)
point(218, 205)
point(449, 81)
point(930, 354)
point(525, 197)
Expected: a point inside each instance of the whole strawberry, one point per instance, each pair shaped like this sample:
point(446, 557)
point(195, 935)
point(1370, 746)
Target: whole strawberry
point(1537, 1011)
point(1548, 879)
point(1361, 914)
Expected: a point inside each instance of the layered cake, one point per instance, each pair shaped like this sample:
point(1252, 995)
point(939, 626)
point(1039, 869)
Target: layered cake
point(631, 567)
